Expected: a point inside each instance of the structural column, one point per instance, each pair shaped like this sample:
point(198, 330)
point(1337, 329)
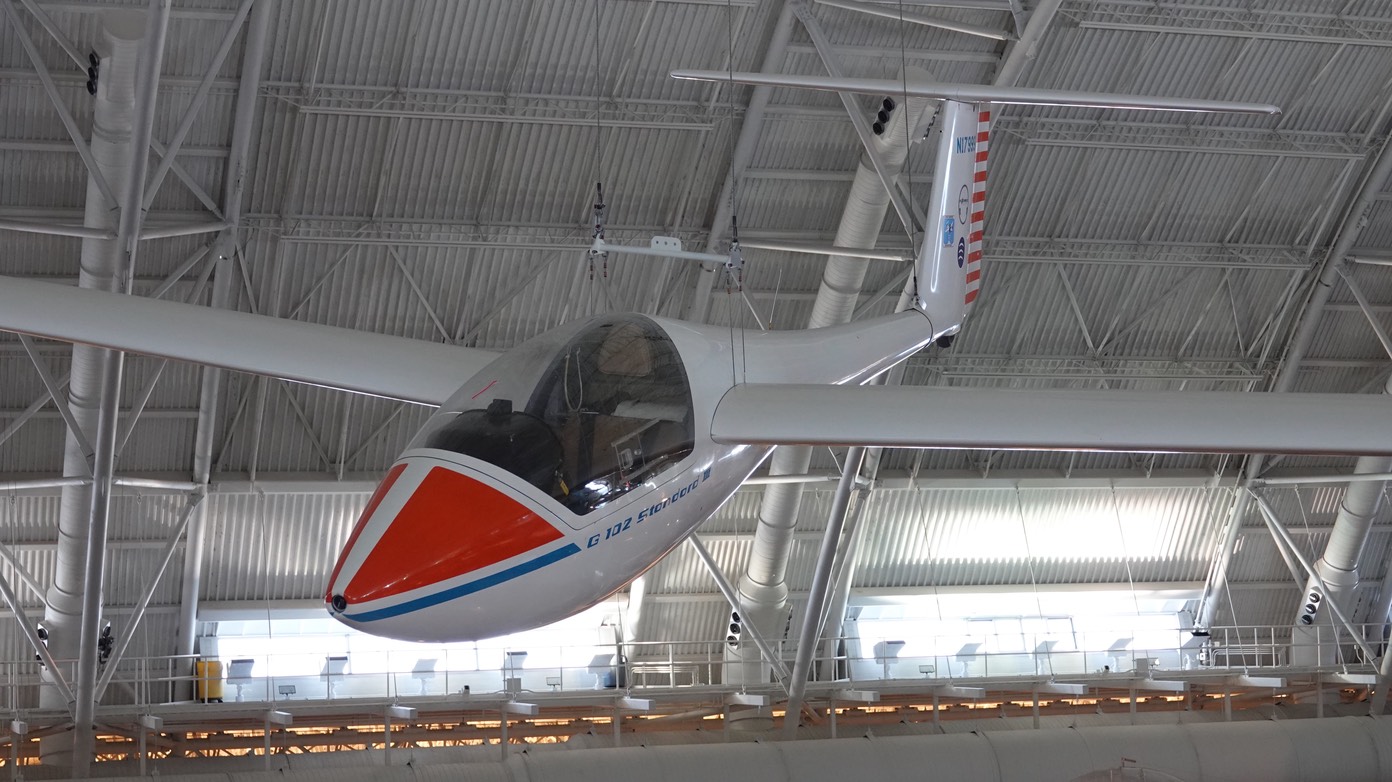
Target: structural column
point(101, 261)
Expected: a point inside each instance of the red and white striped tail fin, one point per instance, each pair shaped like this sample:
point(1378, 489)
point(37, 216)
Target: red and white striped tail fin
point(949, 264)
point(978, 205)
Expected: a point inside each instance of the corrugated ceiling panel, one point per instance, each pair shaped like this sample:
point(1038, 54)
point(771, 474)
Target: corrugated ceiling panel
point(56, 179)
point(35, 448)
point(340, 165)
point(27, 106)
point(275, 546)
point(800, 143)
point(274, 150)
point(968, 537)
point(682, 571)
point(28, 518)
point(683, 621)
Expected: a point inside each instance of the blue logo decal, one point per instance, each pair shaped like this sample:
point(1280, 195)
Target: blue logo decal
point(949, 231)
point(961, 252)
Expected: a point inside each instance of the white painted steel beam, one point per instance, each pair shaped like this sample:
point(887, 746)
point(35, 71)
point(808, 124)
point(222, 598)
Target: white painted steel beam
point(980, 93)
point(195, 104)
point(855, 113)
point(746, 699)
point(727, 590)
point(64, 114)
point(855, 696)
point(900, 15)
point(1056, 688)
point(1078, 419)
point(396, 367)
point(1301, 480)
point(1152, 685)
point(1282, 537)
point(128, 631)
point(868, 253)
point(741, 156)
point(821, 584)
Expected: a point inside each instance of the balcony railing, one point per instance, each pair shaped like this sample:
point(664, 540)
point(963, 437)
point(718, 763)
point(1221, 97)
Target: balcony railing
point(301, 676)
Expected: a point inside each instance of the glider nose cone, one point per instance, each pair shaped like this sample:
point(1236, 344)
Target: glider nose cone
point(429, 534)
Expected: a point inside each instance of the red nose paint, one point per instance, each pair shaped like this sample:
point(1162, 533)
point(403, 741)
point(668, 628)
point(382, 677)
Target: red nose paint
point(382, 489)
point(451, 525)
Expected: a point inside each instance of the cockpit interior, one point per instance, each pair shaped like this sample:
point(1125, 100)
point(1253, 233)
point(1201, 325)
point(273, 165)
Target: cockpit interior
point(609, 409)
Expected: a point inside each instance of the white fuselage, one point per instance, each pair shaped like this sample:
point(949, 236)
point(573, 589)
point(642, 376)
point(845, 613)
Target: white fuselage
point(480, 552)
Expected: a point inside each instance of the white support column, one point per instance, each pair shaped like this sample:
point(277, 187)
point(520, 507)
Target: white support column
point(110, 158)
point(18, 730)
point(274, 719)
point(816, 598)
point(404, 713)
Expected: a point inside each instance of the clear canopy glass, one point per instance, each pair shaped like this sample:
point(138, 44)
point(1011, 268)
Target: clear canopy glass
point(585, 413)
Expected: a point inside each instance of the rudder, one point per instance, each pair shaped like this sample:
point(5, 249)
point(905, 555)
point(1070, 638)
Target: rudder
point(949, 264)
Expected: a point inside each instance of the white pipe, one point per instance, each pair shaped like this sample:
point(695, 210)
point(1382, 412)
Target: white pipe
point(180, 229)
point(900, 15)
point(601, 246)
point(53, 229)
point(828, 249)
point(173, 487)
point(980, 93)
point(1303, 480)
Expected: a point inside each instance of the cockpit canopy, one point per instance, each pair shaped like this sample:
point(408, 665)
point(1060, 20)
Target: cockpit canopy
point(584, 413)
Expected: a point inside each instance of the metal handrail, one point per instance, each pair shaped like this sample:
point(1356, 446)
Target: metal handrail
point(667, 664)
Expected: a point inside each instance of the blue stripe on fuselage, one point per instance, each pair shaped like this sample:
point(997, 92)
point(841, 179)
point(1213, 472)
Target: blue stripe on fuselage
point(466, 589)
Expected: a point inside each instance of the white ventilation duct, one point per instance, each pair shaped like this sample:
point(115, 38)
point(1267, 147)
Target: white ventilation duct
point(1314, 639)
point(112, 124)
point(763, 591)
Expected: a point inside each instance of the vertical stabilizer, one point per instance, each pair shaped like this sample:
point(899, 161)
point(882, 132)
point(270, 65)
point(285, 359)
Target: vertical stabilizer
point(949, 264)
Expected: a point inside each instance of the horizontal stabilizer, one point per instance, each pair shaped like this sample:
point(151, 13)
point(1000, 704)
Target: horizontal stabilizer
point(1090, 419)
point(980, 93)
point(396, 367)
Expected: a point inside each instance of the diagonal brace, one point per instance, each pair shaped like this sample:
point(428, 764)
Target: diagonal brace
point(728, 590)
point(194, 500)
point(1278, 531)
point(59, 400)
point(40, 647)
point(66, 116)
point(196, 105)
point(911, 222)
point(46, 22)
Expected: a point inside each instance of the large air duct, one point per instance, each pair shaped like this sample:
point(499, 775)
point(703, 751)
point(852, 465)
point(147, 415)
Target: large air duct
point(112, 125)
point(763, 591)
point(1314, 640)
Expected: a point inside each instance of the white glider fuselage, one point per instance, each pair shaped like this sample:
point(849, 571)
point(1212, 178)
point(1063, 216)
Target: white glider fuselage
point(570, 465)
point(573, 462)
